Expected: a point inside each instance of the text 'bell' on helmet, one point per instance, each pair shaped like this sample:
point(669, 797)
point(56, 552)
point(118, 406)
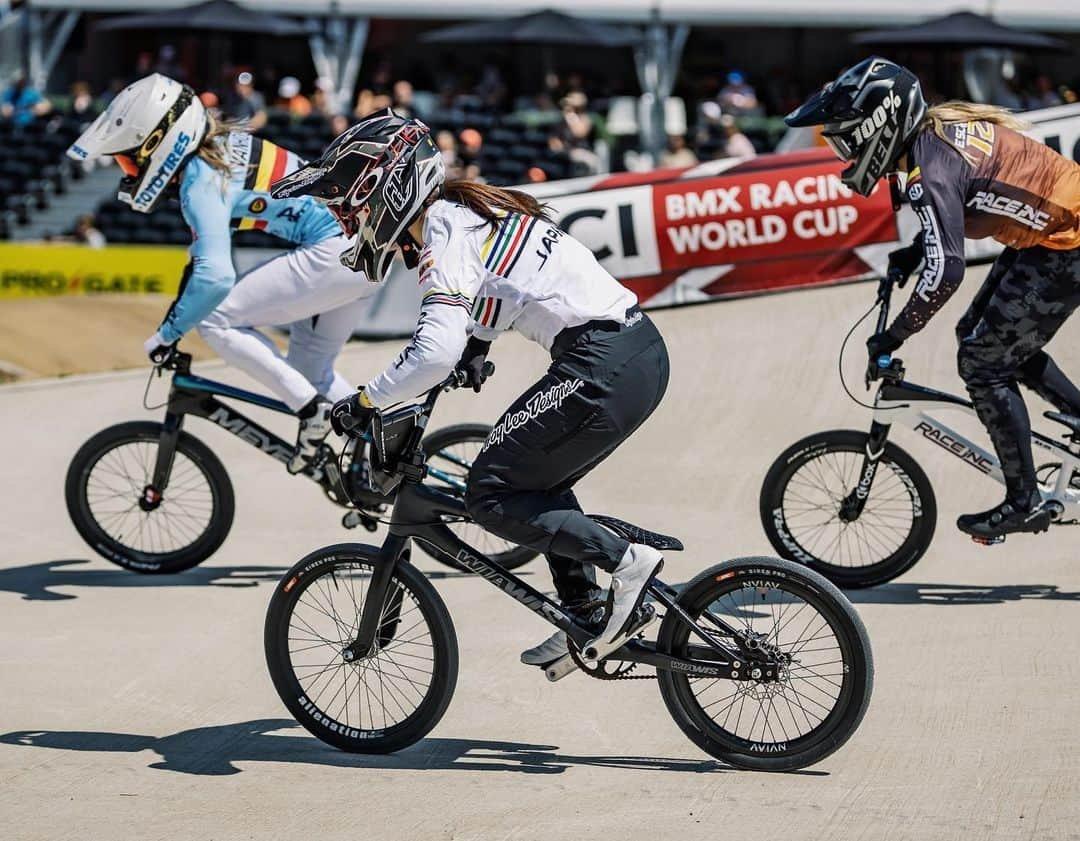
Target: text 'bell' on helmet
point(376, 177)
point(869, 116)
point(152, 128)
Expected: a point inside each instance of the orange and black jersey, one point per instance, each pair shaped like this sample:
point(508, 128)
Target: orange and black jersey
point(989, 181)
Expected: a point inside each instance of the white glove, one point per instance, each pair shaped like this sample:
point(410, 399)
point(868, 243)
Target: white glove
point(158, 349)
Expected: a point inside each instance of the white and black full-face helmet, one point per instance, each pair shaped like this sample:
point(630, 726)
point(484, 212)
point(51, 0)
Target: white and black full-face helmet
point(152, 128)
point(869, 116)
point(376, 177)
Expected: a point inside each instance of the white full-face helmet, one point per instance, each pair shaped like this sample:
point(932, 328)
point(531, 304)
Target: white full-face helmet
point(152, 128)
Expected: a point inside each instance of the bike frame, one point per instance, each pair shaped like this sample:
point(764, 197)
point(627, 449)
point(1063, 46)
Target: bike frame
point(900, 402)
point(422, 513)
point(190, 394)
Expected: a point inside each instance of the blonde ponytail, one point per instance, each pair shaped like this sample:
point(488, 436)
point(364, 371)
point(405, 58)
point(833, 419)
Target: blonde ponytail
point(959, 111)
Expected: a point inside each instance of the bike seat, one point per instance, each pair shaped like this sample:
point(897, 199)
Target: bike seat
point(636, 534)
point(1071, 421)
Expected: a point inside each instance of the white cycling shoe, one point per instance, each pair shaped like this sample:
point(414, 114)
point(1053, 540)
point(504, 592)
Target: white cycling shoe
point(638, 567)
point(548, 651)
point(312, 432)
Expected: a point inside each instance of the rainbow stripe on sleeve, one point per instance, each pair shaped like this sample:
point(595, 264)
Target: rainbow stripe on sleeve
point(502, 250)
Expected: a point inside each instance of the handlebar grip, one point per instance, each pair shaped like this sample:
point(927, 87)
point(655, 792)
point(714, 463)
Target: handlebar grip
point(885, 360)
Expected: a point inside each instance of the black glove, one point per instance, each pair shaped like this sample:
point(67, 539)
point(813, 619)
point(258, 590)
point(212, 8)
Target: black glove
point(904, 261)
point(878, 345)
point(472, 361)
point(350, 416)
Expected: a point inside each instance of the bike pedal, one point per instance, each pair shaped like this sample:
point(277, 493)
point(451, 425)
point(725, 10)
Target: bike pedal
point(560, 668)
point(989, 541)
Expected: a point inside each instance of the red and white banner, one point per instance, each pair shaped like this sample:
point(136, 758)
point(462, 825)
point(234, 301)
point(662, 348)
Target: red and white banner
point(735, 227)
point(726, 227)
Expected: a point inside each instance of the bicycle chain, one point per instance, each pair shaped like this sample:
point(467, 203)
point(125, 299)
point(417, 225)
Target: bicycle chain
point(622, 671)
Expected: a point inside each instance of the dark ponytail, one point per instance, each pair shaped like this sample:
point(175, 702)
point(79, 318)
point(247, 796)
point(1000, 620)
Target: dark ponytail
point(484, 200)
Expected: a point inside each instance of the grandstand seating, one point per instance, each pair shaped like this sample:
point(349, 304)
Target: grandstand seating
point(511, 146)
point(33, 166)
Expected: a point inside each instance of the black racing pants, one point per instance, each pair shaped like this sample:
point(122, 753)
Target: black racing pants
point(1025, 299)
point(605, 379)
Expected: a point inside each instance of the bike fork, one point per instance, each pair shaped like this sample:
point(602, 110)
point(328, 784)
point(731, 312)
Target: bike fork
point(377, 610)
point(163, 464)
point(852, 506)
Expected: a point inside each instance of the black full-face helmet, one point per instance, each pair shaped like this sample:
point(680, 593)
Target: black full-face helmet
point(376, 178)
point(869, 116)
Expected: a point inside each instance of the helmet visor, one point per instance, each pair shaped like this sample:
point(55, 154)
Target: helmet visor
point(841, 146)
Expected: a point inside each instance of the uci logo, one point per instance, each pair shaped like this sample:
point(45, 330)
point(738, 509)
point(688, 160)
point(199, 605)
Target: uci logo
point(257, 206)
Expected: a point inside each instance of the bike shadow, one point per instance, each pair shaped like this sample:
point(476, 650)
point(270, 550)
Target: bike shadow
point(37, 582)
point(913, 592)
point(215, 750)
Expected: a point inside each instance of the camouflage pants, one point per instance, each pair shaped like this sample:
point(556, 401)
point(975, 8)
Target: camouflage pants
point(1025, 299)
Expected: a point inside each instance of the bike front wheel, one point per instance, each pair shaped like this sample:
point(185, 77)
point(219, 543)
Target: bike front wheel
point(802, 498)
point(822, 689)
point(105, 487)
point(378, 704)
point(450, 454)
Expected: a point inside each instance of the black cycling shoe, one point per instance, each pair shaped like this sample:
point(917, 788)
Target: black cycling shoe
point(1004, 519)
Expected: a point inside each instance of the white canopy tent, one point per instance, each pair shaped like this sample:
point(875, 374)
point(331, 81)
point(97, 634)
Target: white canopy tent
point(1058, 15)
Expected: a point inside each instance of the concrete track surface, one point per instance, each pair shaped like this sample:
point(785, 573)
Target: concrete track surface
point(140, 707)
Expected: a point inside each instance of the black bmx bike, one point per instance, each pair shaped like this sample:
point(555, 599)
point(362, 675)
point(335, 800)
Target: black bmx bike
point(761, 662)
point(860, 510)
point(153, 498)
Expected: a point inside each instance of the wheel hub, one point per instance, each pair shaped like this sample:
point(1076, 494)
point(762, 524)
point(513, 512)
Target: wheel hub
point(150, 499)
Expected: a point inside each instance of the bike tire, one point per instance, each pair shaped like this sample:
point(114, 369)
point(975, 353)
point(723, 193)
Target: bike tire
point(779, 580)
point(902, 477)
point(202, 540)
point(459, 434)
point(336, 562)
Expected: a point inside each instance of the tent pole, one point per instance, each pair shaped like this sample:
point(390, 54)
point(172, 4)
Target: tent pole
point(350, 63)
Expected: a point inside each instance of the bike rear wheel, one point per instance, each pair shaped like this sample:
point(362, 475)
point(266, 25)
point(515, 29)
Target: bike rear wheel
point(450, 453)
point(378, 704)
point(821, 694)
point(801, 501)
point(104, 486)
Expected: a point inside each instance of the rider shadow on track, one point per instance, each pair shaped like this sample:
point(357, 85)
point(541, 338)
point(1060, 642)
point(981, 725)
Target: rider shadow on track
point(212, 751)
point(37, 582)
point(911, 592)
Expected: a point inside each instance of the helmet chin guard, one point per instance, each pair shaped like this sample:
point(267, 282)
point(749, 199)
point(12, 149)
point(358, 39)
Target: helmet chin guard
point(153, 127)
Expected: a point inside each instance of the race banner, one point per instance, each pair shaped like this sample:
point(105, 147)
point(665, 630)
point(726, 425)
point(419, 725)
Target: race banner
point(42, 269)
point(737, 227)
point(726, 227)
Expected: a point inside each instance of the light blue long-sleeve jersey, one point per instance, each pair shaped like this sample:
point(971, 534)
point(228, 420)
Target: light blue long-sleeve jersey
point(214, 207)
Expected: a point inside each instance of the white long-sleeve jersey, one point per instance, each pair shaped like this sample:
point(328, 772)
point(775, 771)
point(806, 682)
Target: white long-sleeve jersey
point(527, 275)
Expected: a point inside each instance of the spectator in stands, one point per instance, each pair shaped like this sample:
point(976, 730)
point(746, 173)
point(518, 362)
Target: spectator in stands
point(324, 99)
point(738, 96)
point(246, 103)
point(167, 64)
point(368, 102)
point(678, 154)
point(575, 134)
point(338, 124)
point(736, 144)
point(471, 144)
point(86, 232)
point(401, 99)
point(82, 102)
point(21, 103)
point(290, 98)
point(1045, 95)
point(448, 149)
